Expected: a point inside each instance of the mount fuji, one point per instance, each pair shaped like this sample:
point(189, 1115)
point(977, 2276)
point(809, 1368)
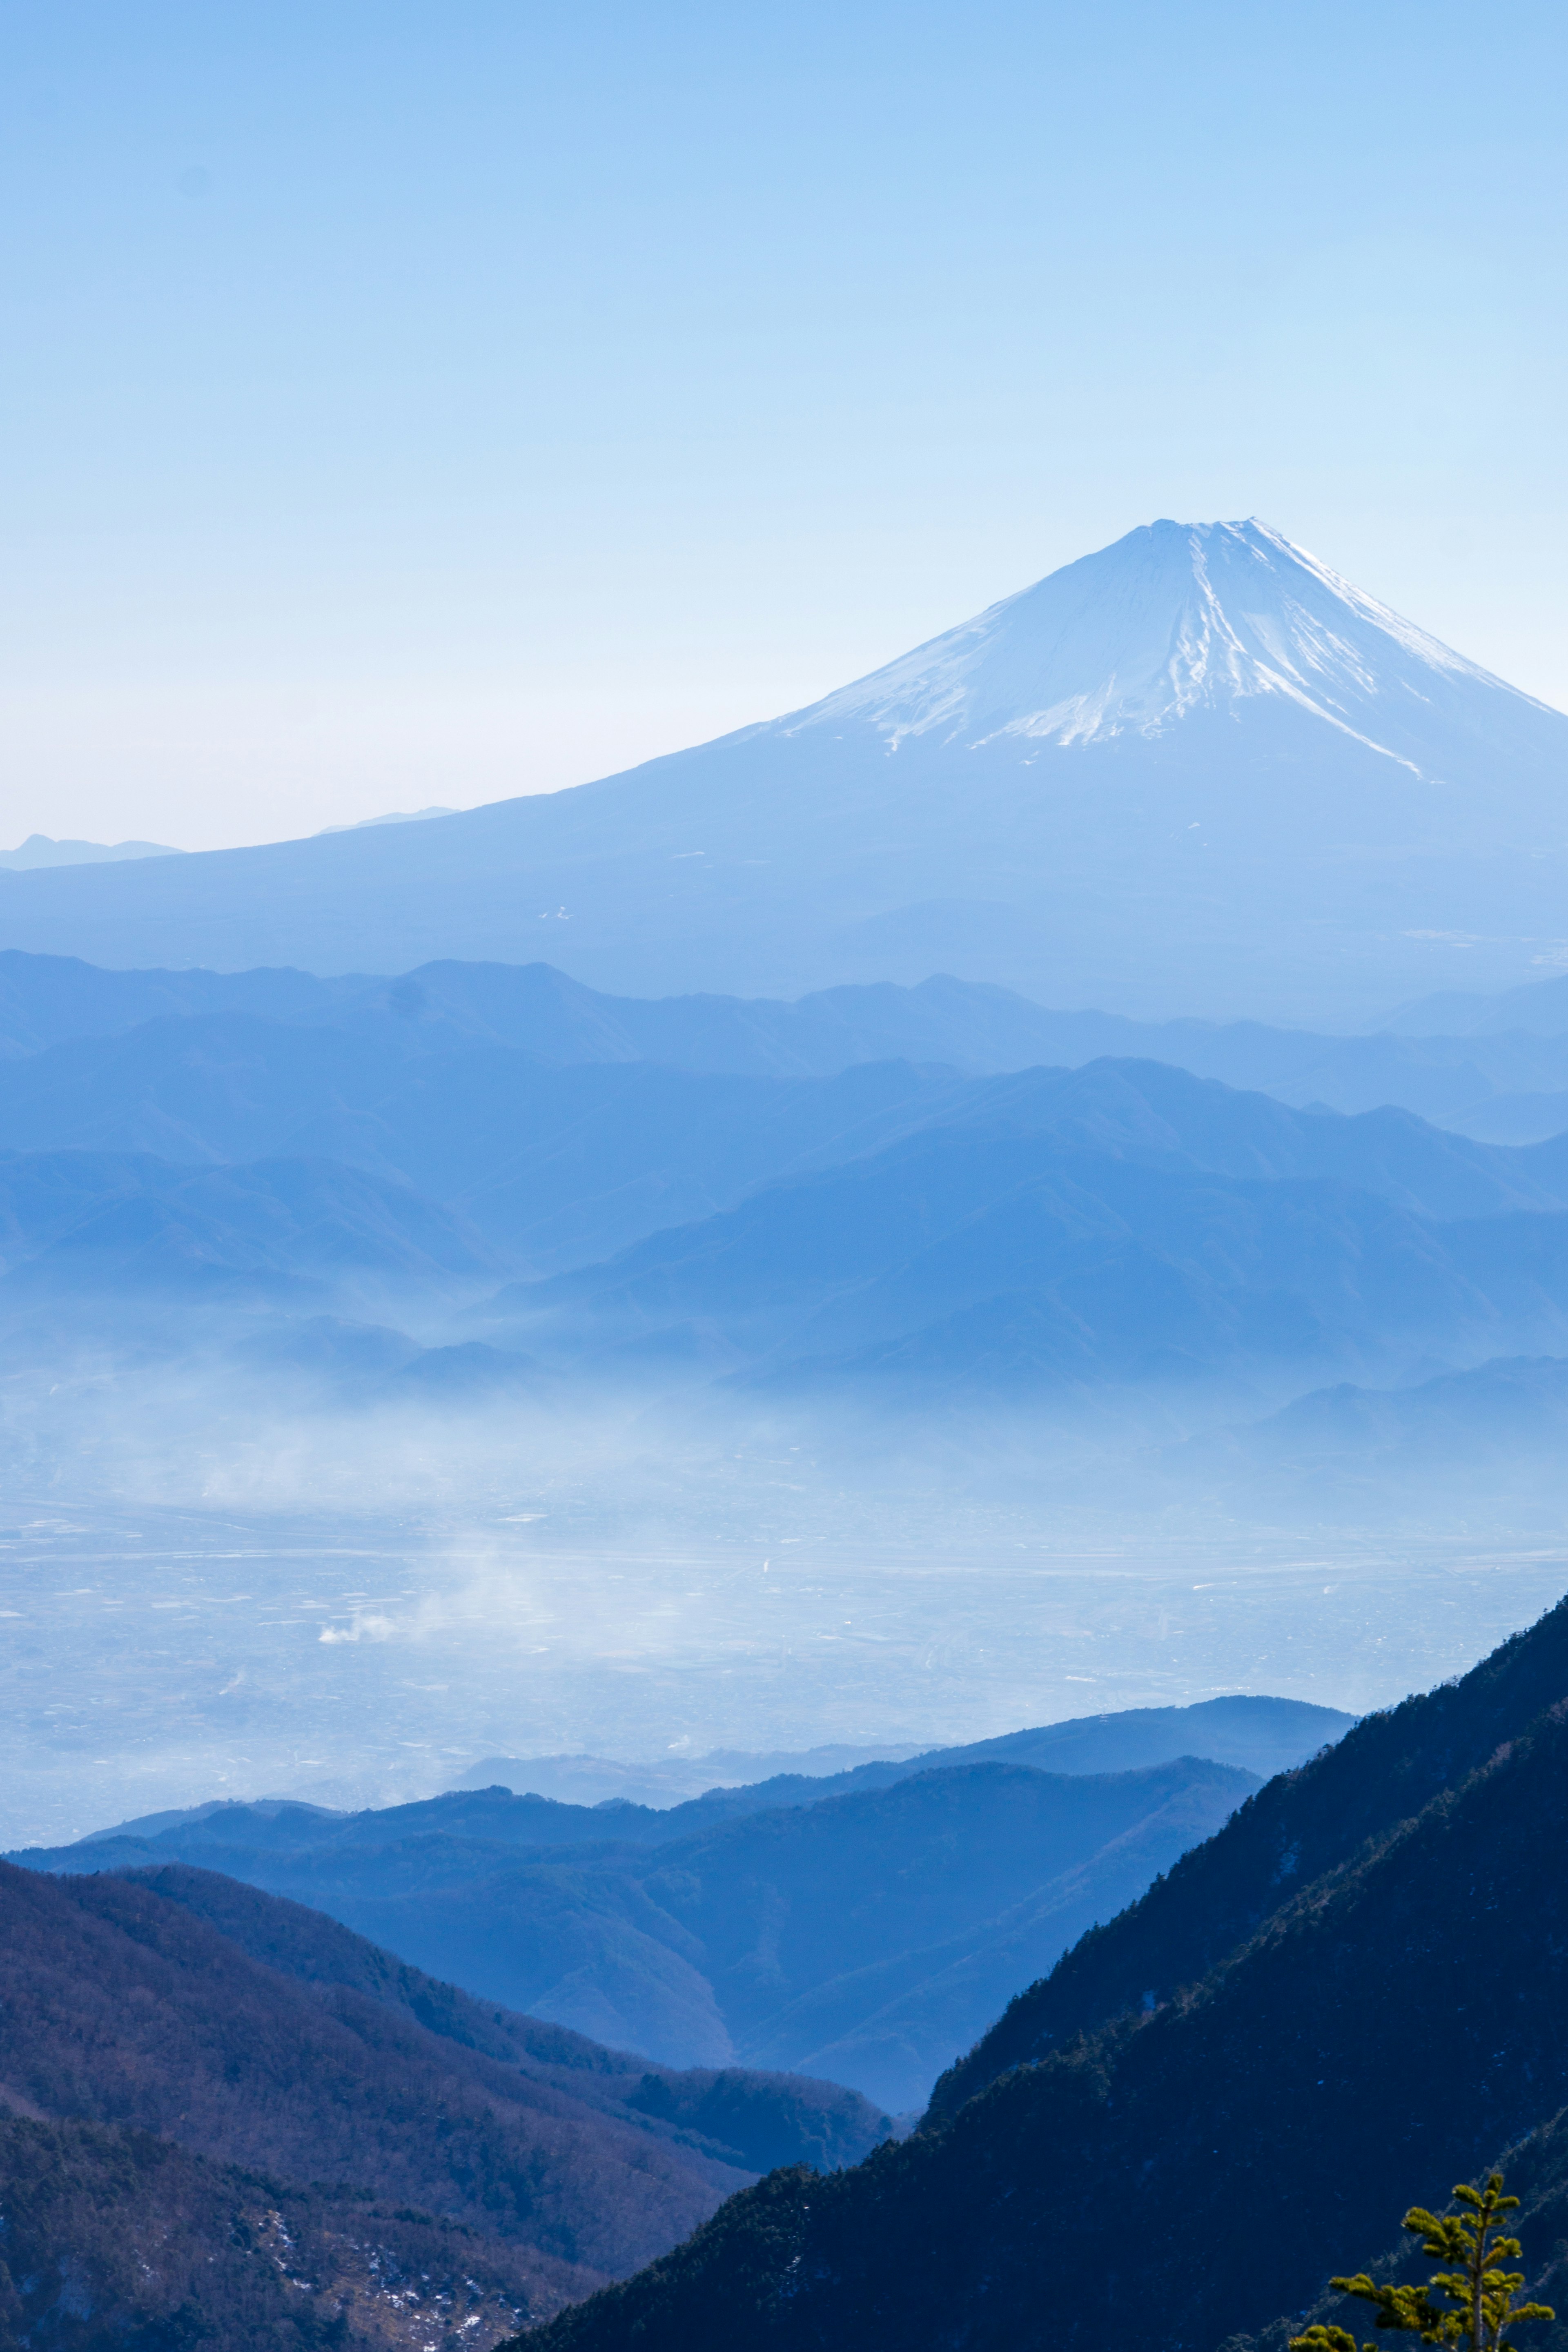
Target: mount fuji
point(1197, 772)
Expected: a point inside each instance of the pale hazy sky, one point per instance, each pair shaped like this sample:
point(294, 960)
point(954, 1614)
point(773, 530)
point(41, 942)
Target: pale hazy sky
point(426, 404)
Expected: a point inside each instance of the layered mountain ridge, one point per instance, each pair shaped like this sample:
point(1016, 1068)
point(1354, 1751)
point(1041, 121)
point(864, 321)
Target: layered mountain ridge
point(797, 1923)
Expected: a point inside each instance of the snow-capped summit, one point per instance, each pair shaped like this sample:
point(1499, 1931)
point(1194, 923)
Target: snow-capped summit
point(1195, 772)
point(1174, 618)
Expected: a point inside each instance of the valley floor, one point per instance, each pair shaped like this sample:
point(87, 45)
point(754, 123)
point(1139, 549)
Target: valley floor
point(154, 1655)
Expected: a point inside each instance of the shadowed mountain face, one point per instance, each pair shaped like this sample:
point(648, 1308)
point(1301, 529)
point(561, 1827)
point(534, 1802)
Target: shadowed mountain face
point(1194, 771)
point(1200, 2073)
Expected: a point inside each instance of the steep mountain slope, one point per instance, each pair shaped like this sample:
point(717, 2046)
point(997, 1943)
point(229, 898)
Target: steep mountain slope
point(1194, 771)
point(775, 1924)
point(1332, 1961)
point(1303, 1825)
point(738, 2117)
point(1537, 2173)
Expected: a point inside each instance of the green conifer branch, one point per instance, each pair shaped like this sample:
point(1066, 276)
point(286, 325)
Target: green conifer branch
point(1479, 2307)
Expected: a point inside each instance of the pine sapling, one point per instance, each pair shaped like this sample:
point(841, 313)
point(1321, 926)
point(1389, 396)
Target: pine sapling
point(1470, 2302)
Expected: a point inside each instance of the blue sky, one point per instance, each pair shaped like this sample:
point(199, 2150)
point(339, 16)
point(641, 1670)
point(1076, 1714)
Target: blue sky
point(423, 403)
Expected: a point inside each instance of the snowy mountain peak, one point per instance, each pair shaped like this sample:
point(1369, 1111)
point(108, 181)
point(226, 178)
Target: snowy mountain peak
point(1173, 619)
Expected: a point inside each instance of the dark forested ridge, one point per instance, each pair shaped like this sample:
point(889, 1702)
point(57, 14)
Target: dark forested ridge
point(200, 2073)
point(1302, 1825)
point(1354, 1995)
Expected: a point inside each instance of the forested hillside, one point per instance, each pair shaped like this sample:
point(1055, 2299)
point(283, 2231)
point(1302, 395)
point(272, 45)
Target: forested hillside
point(1359, 1981)
point(207, 2084)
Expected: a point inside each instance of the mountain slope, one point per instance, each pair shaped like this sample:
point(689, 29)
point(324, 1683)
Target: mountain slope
point(1190, 761)
point(187, 2052)
point(124, 2008)
point(1302, 1826)
point(1370, 2038)
point(116, 2240)
point(740, 2116)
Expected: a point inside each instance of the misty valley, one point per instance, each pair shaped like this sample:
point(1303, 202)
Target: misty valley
point(743, 1635)
point(383, 1390)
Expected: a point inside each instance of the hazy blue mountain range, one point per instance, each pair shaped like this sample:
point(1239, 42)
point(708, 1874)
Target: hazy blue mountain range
point(1261, 1735)
point(1194, 773)
point(1257, 1734)
point(1504, 1080)
point(38, 851)
point(817, 1925)
point(1123, 1222)
point(1493, 1437)
point(191, 2055)
point(1513, 1402)
point(582, 1780)
point(1535, 1009)
point(118, 1224)
point(554, 1164)
point(843, 1926)
point(1244, 2058)
point(1503, 1075)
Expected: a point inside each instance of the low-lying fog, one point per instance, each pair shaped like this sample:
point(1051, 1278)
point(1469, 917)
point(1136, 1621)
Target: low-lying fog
point(205, 1592)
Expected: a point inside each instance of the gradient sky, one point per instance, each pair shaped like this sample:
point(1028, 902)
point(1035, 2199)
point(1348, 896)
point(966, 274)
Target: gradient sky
point(426, 404)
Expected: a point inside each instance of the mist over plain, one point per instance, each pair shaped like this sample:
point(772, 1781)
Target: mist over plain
point(399, 1371)
point(222, 1582)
